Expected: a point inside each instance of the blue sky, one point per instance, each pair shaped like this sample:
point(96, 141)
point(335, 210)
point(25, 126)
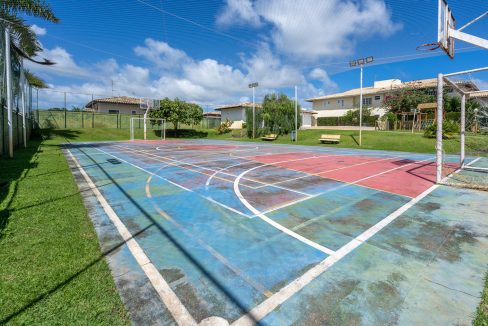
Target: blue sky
point(208, 51)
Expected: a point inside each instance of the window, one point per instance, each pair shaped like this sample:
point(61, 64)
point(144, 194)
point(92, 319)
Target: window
point(134, 112)
point(367, 100)
point(340, 103)
point(377, 97)
point(113, 111)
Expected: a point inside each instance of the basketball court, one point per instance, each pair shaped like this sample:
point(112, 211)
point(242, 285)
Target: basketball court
point(222, 232)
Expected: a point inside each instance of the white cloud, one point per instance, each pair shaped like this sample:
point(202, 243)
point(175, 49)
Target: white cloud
point(38, 30)
point(161, 54)
point(314, 29)
point(173, 73)
point(238, 12)
point(322, 75)
point(64, 64)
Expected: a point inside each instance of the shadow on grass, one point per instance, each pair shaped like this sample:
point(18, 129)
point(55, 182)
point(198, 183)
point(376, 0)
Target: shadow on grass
point(68, 280)
point(48, 133)
point(12, 172)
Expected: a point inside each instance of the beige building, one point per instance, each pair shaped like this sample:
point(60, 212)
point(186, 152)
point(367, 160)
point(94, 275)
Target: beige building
point(336, 105)
point(116, 105)
point(235, 112)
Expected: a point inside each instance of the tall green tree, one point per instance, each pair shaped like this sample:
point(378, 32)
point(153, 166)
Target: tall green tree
point(24, 41)
point(178, 112)
point(278, 114)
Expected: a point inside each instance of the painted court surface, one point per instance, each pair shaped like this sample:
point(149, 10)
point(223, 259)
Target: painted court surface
point(242, 233)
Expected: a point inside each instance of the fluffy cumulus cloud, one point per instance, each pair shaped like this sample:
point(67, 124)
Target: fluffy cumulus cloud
point(65, 64)
point(238, 12)
point(173, 73)
point(314, 29)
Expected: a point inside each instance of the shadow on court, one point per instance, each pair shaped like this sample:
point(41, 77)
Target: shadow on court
point(194, 260)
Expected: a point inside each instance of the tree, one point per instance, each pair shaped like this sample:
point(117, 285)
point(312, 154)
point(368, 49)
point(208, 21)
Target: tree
point(277, 114)
point(23, 39)
point(177, 112)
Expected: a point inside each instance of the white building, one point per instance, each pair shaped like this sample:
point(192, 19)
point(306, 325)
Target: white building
point(336, 105)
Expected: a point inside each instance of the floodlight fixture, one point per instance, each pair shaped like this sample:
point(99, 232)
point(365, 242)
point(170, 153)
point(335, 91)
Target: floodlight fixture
point(369, 59)
point(252, 85)
point(353, 63)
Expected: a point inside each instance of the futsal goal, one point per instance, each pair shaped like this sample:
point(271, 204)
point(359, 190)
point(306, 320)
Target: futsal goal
point(468, 166)
point(144, 128)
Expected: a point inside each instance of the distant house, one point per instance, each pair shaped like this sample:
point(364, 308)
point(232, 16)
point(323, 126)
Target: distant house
point(213, 114)
point(336, 105)
point(116, 105)
point(235, 112)
point(308, 118)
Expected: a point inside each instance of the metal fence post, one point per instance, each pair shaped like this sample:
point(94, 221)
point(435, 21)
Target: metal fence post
point(9, 94)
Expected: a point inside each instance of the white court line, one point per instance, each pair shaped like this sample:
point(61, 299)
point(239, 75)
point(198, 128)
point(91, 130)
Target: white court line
point(326, 171)
point(176, 184)
point(171, 301)
point(343, 185)
point(273, 223)
point(179, 163)
point(217, 255)
point(270, 304)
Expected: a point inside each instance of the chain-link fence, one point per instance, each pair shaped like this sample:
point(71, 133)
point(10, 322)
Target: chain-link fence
point(63, 119)
point(15, 128)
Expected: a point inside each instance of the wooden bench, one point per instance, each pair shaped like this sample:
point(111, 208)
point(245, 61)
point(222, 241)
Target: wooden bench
point(324, 138)
point(269, 137)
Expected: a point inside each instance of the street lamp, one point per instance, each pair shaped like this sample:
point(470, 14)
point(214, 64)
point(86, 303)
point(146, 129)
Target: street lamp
point(253, 86)
point(360, 63)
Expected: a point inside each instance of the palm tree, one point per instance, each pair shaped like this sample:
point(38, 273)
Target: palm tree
point(23, 39)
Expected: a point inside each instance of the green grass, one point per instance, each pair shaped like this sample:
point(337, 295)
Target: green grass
point(51, 270)
point(481, 318)
point(377, 140)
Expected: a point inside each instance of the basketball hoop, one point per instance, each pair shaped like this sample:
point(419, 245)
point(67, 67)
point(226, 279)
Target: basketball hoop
point(429, 46)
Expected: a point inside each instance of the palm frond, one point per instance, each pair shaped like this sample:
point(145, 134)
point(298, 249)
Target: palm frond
point(34, 80)
point(34, 8)
point(23, 36)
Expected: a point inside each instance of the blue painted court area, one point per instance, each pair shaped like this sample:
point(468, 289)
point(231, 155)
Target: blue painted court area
point(209, 232)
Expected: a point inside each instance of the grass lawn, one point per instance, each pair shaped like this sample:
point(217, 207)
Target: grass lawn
point(52, 270)
point(381, 140)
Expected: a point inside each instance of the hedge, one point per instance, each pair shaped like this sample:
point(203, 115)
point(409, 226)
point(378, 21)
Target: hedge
point(343, 121)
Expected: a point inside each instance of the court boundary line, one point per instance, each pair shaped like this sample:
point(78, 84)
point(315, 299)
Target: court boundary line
point(217, 255)
point(169, 298)
point(179, 163)
point(269, 305)
point(276, 225)
point(177, 185)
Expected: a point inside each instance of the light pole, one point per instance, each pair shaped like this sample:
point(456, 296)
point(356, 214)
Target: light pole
point(253, 86)
point(296, 113)
point(360, 63)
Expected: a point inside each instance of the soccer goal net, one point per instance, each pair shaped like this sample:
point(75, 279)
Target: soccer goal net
point(462, 130)
point(147, 129)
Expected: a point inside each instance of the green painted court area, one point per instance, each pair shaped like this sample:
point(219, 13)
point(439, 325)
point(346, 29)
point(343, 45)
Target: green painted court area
point(217, 232)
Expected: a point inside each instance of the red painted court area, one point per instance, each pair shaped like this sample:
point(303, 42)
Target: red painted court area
point(395, 175)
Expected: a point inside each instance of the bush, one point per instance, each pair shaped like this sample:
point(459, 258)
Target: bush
point(450, 129)
point(224, 127)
